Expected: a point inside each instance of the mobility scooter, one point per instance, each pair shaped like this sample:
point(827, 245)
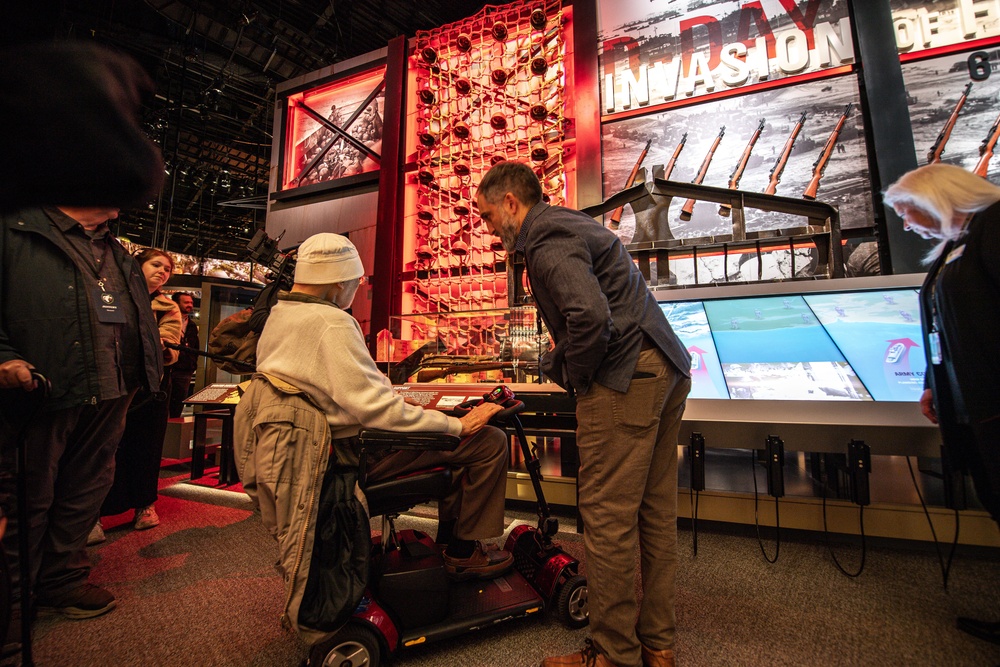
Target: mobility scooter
point(410, 600)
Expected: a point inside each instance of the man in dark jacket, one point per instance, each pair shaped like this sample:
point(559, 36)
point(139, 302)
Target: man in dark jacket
point(74, 307)
point(616, 350)
point(183, 370)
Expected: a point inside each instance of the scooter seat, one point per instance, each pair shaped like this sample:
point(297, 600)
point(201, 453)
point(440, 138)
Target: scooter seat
point(399, 494)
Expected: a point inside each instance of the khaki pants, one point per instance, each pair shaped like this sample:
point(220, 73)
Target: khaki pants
point(477, 497)
point(628, 496)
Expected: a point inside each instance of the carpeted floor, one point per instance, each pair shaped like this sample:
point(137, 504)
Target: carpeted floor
point(200, 590)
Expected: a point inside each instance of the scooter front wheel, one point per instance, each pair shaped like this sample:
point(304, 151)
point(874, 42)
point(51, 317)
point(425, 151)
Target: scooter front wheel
point(572, 602)
point(353, 646)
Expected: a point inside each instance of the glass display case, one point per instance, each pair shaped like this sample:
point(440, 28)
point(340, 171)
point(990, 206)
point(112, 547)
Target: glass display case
point(491, 345)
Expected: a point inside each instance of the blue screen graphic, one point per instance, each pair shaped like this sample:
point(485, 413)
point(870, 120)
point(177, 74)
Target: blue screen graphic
point(854, 346)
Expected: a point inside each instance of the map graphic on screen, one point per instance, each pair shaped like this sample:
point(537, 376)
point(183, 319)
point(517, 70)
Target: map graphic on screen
point(836, 346)
point(879, 333)
point(690, 323)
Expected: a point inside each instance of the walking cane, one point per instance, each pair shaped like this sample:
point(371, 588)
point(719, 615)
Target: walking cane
point(32, 404)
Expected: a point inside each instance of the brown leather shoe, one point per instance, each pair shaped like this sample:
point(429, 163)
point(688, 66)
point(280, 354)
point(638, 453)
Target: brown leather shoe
point(482, 564)
point(590, 656)
point(663, 658)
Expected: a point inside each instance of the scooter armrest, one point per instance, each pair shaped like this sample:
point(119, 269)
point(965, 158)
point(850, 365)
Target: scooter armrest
point(373, 440)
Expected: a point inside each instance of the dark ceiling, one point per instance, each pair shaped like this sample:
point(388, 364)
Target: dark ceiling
point(216, 64)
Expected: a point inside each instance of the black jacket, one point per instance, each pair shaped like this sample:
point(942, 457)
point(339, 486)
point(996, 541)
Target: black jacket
point(593, 300)
point(966, 292)
point(187, 362)
point(44, 314)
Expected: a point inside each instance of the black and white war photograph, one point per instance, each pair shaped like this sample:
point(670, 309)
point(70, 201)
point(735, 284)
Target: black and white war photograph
point(795, 121)
point(955, 117)
point(335, 131)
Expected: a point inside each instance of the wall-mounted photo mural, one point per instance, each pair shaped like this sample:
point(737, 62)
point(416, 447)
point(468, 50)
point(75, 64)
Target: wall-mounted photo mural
point(956, 119)
point(930, 24)
point(655, 52)
point(334, 130)
point(217, 268)
point(797, 122)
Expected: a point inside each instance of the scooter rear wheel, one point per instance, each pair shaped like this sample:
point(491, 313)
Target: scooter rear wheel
point(353, 646)
point(572, 602)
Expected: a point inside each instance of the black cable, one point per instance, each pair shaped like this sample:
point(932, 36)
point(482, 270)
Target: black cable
point(864, 545)
point(945, 566)
point(756, 521)
point(694, 497)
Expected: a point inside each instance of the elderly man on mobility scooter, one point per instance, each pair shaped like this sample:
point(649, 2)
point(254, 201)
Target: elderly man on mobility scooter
point(316, 386)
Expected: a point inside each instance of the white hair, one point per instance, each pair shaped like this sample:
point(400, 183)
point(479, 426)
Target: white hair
point(944, 192)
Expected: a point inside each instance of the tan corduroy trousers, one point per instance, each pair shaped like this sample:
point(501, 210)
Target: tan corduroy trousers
point(627, 489)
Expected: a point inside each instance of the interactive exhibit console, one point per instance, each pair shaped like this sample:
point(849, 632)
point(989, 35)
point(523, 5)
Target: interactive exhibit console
point(833, 369)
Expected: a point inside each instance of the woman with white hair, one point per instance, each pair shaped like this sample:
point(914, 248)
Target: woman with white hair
point(960, 305)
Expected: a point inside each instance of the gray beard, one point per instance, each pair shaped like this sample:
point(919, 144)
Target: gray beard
point(508, 234)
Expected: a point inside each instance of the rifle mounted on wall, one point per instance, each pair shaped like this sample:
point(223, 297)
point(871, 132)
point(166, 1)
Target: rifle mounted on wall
point(934, 154)
point(734, 178)
point(986, 149)
point(673, 158)
point(779, 166)
point(616, 215)
point(819, 166)
point(688, 208)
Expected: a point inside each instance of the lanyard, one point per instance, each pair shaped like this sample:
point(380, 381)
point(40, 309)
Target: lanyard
point(96, 266)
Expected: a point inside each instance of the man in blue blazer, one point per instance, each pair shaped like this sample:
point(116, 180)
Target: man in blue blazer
point(631, 374)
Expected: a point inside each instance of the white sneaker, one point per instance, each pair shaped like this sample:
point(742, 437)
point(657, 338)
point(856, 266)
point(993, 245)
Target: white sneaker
point(96, 534)
point(145, 517)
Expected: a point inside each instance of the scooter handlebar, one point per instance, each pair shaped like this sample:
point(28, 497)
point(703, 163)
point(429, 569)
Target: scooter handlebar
point(501, 395)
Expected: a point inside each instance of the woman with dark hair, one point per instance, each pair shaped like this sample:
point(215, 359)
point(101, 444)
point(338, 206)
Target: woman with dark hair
point(960, 305)
point(137, 461)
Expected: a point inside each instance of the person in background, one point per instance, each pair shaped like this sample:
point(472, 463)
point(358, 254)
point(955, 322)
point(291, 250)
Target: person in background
point(183, 370)
point(312, 353)
point(137, 461)
point(631, 374)
point(960, 306)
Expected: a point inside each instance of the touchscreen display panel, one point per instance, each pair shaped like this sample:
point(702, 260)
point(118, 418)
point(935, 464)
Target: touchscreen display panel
point(690, 323)
point(879, 334)
point(837, 346)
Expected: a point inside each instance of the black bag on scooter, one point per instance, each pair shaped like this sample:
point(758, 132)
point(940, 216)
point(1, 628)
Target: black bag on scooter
point(338, 571)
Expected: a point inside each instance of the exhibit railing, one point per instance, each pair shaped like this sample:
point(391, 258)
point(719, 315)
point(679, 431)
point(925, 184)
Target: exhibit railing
point(806, 241)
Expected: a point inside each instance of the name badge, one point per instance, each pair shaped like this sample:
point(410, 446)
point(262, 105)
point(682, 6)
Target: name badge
point(934, 343)
point(955, 254)
point(108, 305)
